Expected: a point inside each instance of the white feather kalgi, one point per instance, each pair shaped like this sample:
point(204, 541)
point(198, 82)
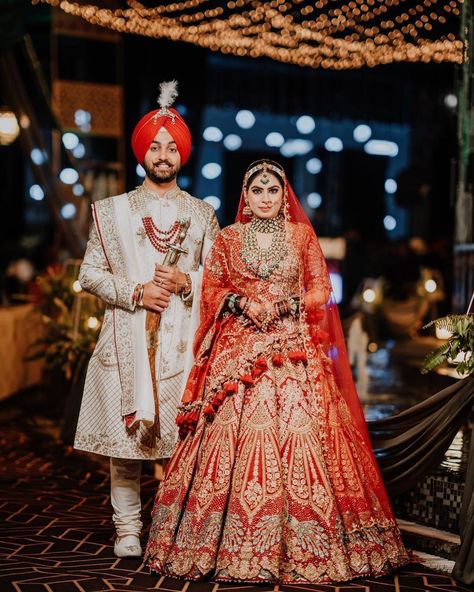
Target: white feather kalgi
point(168, 93)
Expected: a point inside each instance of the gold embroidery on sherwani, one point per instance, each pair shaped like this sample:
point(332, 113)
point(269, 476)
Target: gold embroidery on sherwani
point(106, 227)
point(101, 427)
point(280, 481)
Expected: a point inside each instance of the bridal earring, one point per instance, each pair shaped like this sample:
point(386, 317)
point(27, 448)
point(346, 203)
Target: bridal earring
point(247, 211)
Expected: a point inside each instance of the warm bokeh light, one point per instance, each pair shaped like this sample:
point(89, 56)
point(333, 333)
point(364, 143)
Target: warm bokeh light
point(369, 295)
point(352, 36)
point(9, 128)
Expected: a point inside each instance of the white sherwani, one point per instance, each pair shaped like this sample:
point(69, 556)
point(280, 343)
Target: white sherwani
point(119, 255)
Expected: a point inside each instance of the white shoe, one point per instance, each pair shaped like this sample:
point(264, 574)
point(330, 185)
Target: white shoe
point(127, 546)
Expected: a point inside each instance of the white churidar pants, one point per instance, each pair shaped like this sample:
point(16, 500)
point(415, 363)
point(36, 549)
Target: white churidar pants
point(125, 495)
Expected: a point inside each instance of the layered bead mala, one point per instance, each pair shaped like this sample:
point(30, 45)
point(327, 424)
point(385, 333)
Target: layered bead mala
point(160, 239)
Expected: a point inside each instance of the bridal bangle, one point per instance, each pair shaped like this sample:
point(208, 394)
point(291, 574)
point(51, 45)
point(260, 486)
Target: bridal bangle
point(286, 307)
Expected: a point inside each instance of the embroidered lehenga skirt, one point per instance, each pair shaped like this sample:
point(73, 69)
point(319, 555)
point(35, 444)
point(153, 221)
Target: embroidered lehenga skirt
point(280, 485)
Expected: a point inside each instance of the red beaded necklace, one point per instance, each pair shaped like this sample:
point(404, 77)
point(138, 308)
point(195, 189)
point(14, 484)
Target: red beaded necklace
point(160, 239)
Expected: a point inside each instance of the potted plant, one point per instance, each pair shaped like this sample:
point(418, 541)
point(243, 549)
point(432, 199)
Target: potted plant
point(459, 330)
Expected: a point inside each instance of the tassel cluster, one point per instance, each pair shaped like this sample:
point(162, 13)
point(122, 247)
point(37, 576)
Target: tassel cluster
point(188, 416)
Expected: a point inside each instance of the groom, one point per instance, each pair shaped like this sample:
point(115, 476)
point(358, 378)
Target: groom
point(123, 414)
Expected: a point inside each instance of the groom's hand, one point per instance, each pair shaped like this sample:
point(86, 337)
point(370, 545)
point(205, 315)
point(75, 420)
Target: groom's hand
point(169, 278)
point(155, 298)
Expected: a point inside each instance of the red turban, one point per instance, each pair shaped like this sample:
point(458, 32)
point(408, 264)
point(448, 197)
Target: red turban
point(150, 124)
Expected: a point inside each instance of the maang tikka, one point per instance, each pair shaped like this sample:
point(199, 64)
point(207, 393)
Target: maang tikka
point(265, 167)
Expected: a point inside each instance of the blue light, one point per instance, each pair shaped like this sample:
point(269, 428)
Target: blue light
point(245, 119)
point(232, 142)
point(83, 120)
point(211, 170)
point(274, 140)
point(305, 124)
point(69, 176)
point(390, 223)
point(36, 192)
point(333, 144)
point(314, 200)
point(82, 117)
point(212, 134)
point(68, 211)
point(78, 190)
point(391, 186)
point(362, 133)
point(70, 140)
point(38, 156)
point(296, 147)
point(314, 166)
point(79, 151)
point(381, 148)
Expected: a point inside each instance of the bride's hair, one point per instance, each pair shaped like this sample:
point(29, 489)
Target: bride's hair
point(280, 177)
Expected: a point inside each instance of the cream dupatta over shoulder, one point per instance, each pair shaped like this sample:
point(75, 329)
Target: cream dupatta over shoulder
point(118, 382)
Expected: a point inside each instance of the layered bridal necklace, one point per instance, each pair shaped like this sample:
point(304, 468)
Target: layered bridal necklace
point(263, 261)
point(158, 237)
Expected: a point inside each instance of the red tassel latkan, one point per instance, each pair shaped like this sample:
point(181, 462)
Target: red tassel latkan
point(231, 387)
point(297, 356)
point(277, 360)
point(209, 411)
point(247, 379)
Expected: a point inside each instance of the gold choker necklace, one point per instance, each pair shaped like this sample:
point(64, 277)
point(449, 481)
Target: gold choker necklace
point(263, 262)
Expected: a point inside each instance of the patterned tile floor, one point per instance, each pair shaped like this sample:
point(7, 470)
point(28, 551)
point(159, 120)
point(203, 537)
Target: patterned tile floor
point(56, 533)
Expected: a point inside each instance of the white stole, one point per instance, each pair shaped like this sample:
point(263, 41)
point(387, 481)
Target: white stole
point(144, 400)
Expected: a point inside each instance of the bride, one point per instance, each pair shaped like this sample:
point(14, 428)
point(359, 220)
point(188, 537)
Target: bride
point(273, 479)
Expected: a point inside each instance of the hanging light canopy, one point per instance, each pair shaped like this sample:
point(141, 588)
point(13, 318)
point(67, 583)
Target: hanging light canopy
point(336, 34)
point(9, 128)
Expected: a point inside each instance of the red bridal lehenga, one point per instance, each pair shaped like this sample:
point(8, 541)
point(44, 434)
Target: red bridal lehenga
point(274, 477)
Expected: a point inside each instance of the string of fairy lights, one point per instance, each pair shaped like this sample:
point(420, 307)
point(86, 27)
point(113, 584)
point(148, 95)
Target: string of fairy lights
point(326, 33)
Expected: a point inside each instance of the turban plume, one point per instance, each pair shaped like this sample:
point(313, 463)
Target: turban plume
point(151, 123)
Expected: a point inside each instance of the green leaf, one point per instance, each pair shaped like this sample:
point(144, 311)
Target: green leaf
point(436, 358)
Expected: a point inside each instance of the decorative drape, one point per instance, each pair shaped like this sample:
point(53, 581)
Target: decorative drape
point(410, 444)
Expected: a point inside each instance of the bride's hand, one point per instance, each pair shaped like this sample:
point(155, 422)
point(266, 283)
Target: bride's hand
point(253, 312)
point(268, 314)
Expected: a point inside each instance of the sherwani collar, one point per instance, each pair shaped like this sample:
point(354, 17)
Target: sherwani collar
point(169, 195)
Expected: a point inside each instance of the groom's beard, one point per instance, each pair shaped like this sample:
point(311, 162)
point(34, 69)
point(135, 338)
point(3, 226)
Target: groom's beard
point(161, 175)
